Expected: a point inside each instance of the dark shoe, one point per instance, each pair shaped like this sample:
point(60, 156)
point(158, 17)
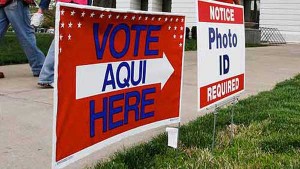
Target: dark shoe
point(1, 75)
point(37, 75)
point(45, 85)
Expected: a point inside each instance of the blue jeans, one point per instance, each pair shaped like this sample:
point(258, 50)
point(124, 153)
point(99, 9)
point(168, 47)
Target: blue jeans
point(18, 15)
point(47, 73)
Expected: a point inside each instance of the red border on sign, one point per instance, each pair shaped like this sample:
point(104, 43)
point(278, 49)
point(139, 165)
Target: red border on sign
point(204, 94)
point(204, 13)
point(72, 138)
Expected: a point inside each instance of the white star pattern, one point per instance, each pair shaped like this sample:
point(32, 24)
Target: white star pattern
point(79, 25)
point(92, 15)
point(70, 25)
point(83, 14)
point(73, 13)
point(102, 15)
point(175, 28)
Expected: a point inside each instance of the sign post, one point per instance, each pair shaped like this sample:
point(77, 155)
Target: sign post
point(118, 73)
point(221, 52)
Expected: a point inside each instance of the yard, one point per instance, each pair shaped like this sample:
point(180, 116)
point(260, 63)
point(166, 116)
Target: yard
point(267, 136)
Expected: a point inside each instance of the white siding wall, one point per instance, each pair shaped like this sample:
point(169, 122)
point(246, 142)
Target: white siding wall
point(282, 14)
point(135, 4)
point(186, 7)
point(123, 4)
point(128, 4)
point(155, 5)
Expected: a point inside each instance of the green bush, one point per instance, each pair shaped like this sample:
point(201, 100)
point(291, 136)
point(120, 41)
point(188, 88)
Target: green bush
point(11, 52)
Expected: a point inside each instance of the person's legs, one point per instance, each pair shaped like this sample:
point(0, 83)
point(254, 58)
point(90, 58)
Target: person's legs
point(3, 28)
point(3, 23)
point(47, 72)
point(18, 15)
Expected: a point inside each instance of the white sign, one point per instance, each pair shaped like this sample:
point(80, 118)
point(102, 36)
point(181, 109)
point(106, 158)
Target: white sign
point(221, 52)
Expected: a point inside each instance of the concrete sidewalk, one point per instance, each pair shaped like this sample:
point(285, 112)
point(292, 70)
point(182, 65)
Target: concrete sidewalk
point(26, 110)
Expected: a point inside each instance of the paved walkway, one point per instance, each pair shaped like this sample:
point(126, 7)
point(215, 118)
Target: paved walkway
point(26, 110)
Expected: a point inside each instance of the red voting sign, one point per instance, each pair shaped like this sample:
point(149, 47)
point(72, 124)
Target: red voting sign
point(118, 73)
point(221, 52)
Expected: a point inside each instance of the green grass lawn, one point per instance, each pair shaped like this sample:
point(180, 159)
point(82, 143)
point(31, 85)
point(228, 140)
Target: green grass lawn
point(267, 136)
point(11, 52)
point(190, 44)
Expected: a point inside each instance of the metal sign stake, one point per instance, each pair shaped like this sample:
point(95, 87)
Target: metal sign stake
point(214, 130)
point(233, 101)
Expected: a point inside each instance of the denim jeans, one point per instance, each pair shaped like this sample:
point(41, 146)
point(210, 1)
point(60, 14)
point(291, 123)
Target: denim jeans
point(47, 73)
point(18, 15)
